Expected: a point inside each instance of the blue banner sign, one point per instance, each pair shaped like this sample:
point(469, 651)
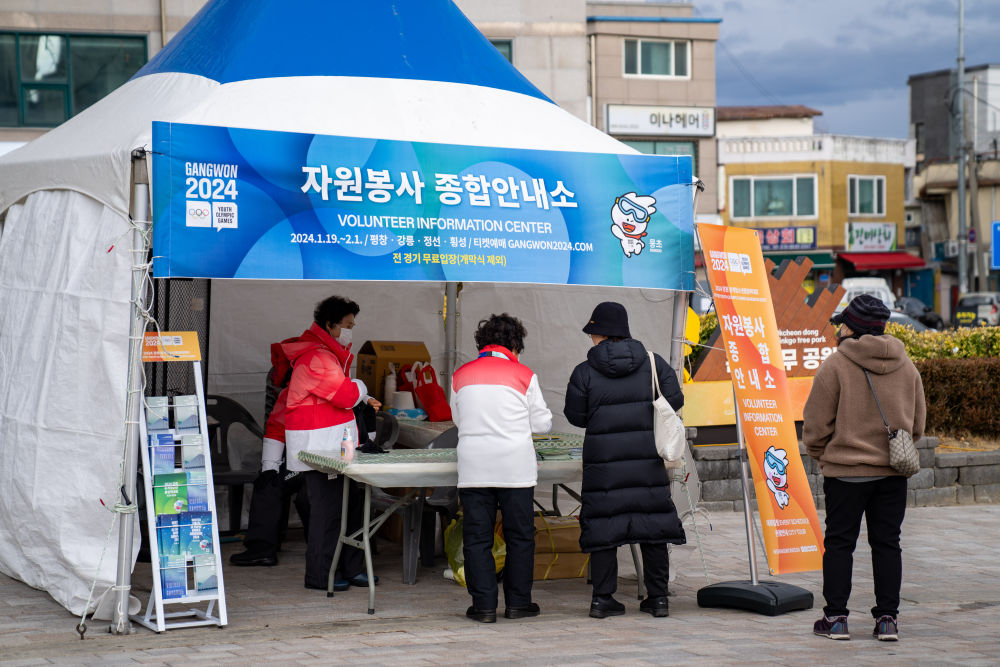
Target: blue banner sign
point(995, 245)
point(237, 203)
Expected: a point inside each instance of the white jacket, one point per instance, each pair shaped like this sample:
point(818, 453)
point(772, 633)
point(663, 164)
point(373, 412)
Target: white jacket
point(497, 404)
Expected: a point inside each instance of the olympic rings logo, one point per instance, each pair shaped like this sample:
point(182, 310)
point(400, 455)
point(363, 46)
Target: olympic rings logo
point(199, 212)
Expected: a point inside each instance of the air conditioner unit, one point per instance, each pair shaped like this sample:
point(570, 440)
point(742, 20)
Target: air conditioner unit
point(951, 248)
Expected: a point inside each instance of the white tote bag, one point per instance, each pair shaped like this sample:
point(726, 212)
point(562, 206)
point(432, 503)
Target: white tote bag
point(668, 429)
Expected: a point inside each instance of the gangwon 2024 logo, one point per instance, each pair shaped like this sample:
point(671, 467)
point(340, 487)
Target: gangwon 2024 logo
point(210, 198)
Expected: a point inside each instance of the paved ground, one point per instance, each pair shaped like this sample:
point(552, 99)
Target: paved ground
point(949, 615)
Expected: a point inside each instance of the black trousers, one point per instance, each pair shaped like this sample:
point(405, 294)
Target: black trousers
point(268, 518)
point(655, 570)
point(883, 503)
point(325, 503)
point(479, 507)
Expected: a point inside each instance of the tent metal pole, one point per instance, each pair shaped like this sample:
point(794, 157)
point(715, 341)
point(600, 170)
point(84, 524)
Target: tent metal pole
point(450, 333)
point(139, 212)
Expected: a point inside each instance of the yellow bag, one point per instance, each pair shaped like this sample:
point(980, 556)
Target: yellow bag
point(456, 558)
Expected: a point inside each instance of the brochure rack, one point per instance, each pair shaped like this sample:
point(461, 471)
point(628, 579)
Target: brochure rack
point(180, 512)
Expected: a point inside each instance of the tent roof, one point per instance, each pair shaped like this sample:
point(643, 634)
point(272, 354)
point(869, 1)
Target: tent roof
point(410, 70)
point(429, 40)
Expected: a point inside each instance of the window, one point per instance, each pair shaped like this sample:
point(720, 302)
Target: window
point(46, 78)
point(505, 47)
point(866, 195)
point(668, 148)
point(645, 57)
point(773, 197)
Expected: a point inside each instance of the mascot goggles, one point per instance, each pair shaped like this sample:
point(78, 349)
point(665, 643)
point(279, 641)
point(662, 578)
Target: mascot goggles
point(627, 206)
point(775, 463)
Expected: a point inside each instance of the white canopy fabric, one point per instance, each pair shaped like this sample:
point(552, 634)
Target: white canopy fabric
point(64, 298)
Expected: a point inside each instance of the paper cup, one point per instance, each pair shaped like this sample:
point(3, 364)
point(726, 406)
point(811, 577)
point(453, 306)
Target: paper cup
point(402, 400)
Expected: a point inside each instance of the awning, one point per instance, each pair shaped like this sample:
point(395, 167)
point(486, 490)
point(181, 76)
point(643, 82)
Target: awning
point(820, 260)
point(874, 261)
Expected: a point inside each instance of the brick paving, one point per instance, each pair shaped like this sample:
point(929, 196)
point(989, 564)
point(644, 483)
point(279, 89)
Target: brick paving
point(949, 614)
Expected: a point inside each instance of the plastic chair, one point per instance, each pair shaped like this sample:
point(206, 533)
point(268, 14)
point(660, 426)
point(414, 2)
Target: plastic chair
point(226, 412)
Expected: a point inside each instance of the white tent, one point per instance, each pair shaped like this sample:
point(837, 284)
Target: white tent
point(415, 71)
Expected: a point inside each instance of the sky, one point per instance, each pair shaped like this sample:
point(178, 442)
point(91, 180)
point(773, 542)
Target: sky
point(849, 59)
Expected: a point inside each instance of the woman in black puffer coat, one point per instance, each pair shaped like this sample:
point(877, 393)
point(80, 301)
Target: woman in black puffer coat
point(626, 491)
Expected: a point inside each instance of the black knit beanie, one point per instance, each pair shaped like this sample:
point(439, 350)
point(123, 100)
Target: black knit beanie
point(865, 314)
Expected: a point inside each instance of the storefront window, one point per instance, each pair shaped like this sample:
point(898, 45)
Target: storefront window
point(668, 148)
point(46, 78)
point(659, 58)
point(770, 197)
point(866, 195)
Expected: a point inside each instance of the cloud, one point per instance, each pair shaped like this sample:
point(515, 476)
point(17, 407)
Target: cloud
point(846, 62)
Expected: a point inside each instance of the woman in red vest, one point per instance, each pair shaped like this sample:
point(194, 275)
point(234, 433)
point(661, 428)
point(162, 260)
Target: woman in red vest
point(321, 398)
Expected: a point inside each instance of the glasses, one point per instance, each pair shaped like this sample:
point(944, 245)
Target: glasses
point(627, 206)
point(775, 463)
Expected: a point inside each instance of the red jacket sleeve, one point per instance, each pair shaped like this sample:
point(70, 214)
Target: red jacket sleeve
point(275, 427)
point(322, 376)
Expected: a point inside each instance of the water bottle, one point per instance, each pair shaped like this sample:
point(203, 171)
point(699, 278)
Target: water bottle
point(389, 390)
point(347, 445)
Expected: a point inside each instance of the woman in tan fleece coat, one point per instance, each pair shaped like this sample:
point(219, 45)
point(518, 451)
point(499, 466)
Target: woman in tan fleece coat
point(843, 430)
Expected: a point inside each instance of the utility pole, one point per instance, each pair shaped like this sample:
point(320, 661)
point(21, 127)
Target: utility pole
point(963, 256)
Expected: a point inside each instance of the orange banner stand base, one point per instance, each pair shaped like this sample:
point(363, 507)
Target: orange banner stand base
point(769, 598)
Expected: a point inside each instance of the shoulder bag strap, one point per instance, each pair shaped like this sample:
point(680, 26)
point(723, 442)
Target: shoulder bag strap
point(656, 380)
point(869, 377)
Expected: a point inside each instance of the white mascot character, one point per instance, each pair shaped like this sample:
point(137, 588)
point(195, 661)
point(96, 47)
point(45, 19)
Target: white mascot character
point(630, 216)
point(775, 470)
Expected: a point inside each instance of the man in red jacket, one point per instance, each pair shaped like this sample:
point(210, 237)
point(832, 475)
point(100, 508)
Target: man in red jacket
point(321, 398)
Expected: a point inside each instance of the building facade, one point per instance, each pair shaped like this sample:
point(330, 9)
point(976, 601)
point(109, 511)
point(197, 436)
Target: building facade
point(838, 200)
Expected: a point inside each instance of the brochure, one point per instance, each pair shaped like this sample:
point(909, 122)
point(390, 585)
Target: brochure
point(186, 411)
point(168, 534)
point(173, 576)
point(205, 578)
point(170, 493)
point(196, 533)
point(197, 490)
point(193, 449)
point(157, 418)
point(161, 452)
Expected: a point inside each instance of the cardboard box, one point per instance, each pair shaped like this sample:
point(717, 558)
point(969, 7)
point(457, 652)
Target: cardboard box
point(557, 534)
point(376, 355)
point(561, 566)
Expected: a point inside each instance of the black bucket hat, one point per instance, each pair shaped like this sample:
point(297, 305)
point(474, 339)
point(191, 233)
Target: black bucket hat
point(608, 319)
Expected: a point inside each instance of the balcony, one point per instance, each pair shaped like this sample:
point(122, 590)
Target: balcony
point(815, 148)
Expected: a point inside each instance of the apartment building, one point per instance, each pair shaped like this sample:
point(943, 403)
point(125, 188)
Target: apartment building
point(838, 200)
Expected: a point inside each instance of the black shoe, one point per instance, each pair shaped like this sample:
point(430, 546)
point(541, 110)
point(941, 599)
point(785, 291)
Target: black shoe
point(339, 585)
point(657, 607)
point(602, 606)
point(525, 611)
point(361, 580)
point(482, 615)
point(249, 559)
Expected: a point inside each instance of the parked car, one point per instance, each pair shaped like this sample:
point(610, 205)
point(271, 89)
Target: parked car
point(877, 287)
point(978, 309)
point(919, 311)
point(897, 317)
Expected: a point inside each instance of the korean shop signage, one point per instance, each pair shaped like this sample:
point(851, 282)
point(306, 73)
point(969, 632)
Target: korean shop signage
point(238, 203)
point(787, 238)
point(666, 121)
point(870, 236)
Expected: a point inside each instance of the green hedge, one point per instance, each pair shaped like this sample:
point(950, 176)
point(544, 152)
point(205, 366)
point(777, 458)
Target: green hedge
point(973, 343)
point(962, 396)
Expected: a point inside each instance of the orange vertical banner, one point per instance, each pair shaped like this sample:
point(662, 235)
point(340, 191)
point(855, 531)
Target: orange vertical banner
point(735, 267)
